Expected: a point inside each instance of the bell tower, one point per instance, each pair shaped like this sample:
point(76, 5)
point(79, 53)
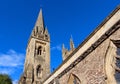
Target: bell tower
point(37, 62)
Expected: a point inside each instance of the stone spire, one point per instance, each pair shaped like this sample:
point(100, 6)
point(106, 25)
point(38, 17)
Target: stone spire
point(39, 30)
point(71, 44)
point(37, 61)
point(40, 22)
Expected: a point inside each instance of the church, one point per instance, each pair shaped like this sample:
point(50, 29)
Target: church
point(95, 61)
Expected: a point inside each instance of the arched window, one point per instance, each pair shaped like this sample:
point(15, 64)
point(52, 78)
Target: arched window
point(39, 71)
point(24, 80)
point(113, 62)
point(39, 51)
point(73, 79)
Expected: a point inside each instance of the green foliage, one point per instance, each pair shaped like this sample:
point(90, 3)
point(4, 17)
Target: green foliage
point(5, 79)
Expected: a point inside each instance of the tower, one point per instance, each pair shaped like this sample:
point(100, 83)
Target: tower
point(37, 62)
point(66, 52)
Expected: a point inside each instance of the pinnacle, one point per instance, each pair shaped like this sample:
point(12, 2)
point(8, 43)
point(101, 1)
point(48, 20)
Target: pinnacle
point(71, 44)
point(63, 46)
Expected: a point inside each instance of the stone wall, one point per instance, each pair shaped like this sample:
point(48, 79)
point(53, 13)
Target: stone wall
point(91, 70)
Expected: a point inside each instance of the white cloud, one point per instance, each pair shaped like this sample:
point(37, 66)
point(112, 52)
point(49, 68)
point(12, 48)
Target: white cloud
point(58, 47)
point(11, 62)
point(11, 59)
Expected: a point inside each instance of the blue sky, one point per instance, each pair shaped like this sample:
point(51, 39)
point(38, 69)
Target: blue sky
point(63, 18)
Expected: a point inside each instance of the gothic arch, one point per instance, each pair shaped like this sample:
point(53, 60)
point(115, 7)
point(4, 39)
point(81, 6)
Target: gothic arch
point(111, 67)
point(39, 71)
point(39, 50)
point(73, 79)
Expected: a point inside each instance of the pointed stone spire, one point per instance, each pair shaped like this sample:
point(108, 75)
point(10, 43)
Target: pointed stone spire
point(39, 31)
point(71, 44)
point(40, 21)
point(39, 26)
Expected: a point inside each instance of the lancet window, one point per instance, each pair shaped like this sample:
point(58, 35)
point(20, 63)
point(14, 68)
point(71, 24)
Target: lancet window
point(39, 71)
point(39, 51)
point(113, 62)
